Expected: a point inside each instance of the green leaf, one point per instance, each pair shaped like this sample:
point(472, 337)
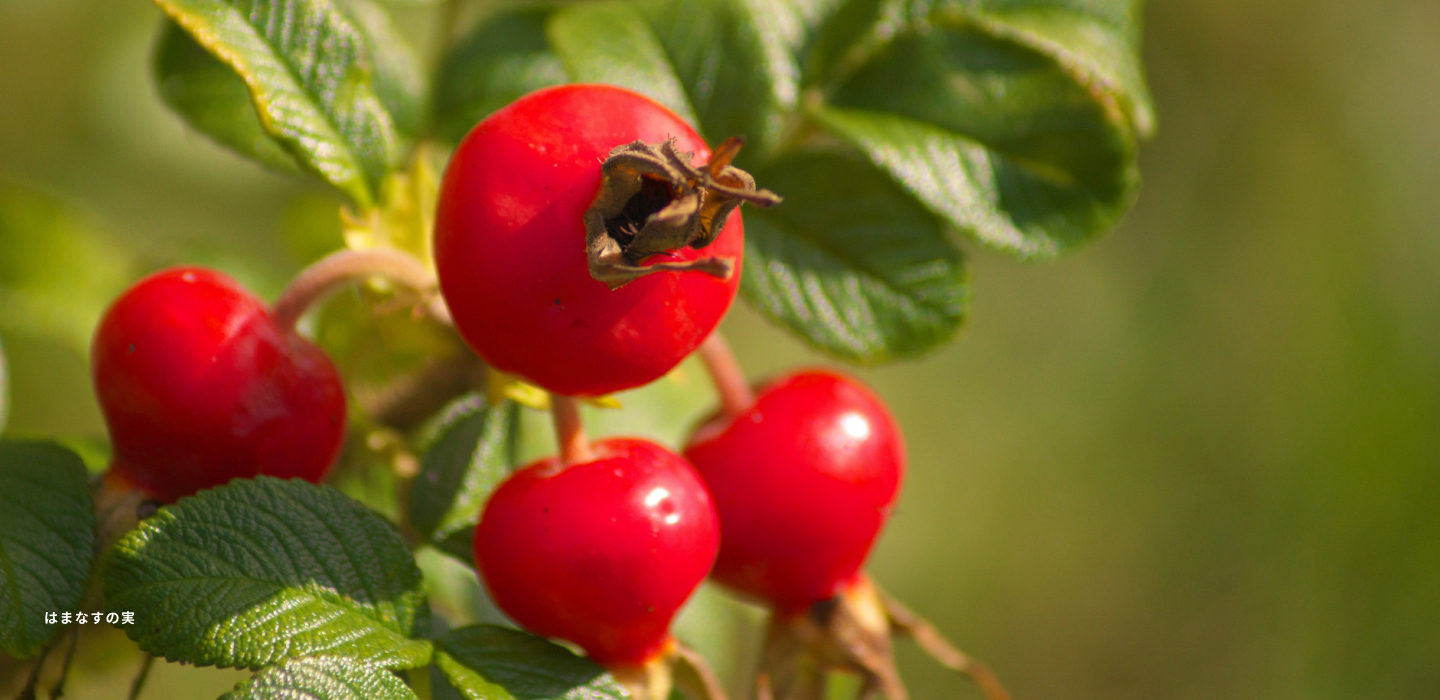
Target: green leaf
point(1094, 40)
point(611, 42)
point(486, 662)
point(441, 688)
point(459, 544)
point(851, 263)
point(322, 678)
point(308, 72)
point(724, 66)
point(399, 78)
point(733, 58)
point(503, 58)
point(1017, 121)
point(213, 99)
point(472, 452)
point(261, 571)
point(94, 451)
point(47, 539)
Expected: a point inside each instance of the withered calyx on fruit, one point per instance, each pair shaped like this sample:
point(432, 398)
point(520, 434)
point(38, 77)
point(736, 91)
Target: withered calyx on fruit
point(652, 201)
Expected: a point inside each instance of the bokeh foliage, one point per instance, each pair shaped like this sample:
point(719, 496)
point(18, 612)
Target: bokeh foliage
point(1198, 459)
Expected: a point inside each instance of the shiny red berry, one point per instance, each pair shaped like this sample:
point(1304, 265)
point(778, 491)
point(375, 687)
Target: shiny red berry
point(601, 553)
point(513, 258)
point(198, 387)
point(803, 481)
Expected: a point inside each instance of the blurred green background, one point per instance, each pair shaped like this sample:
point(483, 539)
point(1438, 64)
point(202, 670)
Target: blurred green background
point(1198, 459)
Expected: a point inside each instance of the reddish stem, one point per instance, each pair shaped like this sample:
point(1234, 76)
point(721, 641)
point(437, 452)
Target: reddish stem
point(348, 266)
point(569, 430)
point(735, 394)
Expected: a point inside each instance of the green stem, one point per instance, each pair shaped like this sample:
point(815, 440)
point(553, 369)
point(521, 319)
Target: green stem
point(28, 692)
point(140, 679)
point(59, 688)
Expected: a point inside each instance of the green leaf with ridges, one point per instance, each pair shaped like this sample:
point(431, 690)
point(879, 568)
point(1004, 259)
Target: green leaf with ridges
point(261, 571)
point(611, 42)
point(726, 67)
point(213, 99)
point(47, 541)
point(503, 58)
point(322, 678)
point(485, 662)
point(1092, 46)
point(472, 452)
point(399, 78)
point(733, 60)
point(306, 67)
point(851, 263)
point(1006, 202)
point(1016, 121)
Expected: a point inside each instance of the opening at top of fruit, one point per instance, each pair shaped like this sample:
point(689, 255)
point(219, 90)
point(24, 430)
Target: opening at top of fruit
point(655, 194)
point(653, 202)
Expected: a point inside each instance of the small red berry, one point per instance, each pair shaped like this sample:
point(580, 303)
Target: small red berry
point(803, 481)
point(198, 387)
point(602, 553)
point(522, 274)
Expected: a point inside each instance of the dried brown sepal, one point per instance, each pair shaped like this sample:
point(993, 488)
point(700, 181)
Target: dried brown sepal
point(653, 202)
point(905, 622)
point(854, 632)
point(677, 666)
point(694, 677)
point(849, 632)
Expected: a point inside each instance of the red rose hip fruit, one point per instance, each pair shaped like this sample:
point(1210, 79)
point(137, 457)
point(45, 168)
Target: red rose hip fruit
point(524, 238)
point(804, 477)
point(803, 481)
point(601, 553)
point(198, 386)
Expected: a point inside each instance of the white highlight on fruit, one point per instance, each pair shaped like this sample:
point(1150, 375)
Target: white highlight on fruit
point(655, 497)
point(855, 426)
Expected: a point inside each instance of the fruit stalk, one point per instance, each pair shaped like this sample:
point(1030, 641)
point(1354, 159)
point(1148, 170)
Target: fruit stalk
point(569, 430)
point(344, 267)
point(736, 397)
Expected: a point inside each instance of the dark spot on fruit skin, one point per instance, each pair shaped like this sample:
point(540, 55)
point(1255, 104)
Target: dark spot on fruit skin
point(557, 302)
point(131, 349)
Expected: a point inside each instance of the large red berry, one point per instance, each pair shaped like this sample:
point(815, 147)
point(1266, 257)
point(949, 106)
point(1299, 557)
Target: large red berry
point(511, 245)
point(803, 481)
point(601, 553)
point(198, 386)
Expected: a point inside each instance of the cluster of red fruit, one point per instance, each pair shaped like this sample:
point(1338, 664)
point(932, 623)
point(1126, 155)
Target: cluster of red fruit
point(545, 259)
